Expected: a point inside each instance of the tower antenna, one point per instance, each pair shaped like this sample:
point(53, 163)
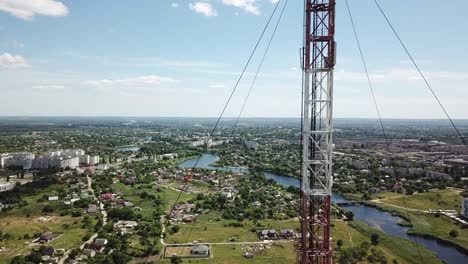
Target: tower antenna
point(318, 64)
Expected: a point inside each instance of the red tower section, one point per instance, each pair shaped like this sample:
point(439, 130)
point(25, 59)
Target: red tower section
point(318, 64)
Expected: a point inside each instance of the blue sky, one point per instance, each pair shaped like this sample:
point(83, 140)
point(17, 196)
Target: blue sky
point(182, 58)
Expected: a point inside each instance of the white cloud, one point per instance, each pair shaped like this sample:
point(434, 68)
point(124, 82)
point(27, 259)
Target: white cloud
point(27, 9)
point(175, 5)
point(203, 8)
point(9, 61)
point(49, 87)
point(140, 81)
point(249, 6)
point(274, 1)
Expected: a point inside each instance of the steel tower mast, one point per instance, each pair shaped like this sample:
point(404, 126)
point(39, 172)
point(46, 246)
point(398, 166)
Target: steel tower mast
point(317, 63)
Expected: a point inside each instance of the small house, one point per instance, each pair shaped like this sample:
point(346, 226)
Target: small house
point(46, 237)
point(89, 252)
point(107, 197)
point(99, 244)
point(287, 233)
point(92, 209)
point(189, 218)
point(200, 250)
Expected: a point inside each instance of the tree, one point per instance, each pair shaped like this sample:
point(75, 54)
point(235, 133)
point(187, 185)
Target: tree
point(349, 215)
point(176, 260)
point(34, 257)
point(48, 209)
point(18, 260)
point(120, 258)
point(453, 233)
point(74, 253)
point(366, 196)
point(76, 213)
point(375, 239)
point(339, 243)
point(175, 229)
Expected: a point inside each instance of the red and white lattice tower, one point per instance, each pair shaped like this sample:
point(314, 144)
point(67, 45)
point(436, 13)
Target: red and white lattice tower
point(318, 64)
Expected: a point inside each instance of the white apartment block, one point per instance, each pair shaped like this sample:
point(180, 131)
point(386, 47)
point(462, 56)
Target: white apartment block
point(464, 210)
point(65, 153)
point(251, 145)
point(18, 159)
point(71, 158)
point(197, 143)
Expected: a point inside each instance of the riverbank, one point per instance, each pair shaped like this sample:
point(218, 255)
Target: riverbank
point(438, 231)
point(406, 250)
point(421, 226)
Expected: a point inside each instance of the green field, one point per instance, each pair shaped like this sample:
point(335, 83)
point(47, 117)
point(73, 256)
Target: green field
point(68, 229)
point(352, 234)
point(148, 207)
point(232, 254)
point(448, 199)
point(22, 224)
point(212, 228)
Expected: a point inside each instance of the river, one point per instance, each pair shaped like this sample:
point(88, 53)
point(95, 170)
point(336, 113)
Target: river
point(370, 215)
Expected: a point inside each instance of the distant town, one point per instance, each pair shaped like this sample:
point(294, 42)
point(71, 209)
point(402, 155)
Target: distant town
point(128, 191)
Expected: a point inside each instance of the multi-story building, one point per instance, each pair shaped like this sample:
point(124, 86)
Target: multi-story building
point(42, 163)
point(84, 159)
point(89, 160)
point(71, 163)
point(52, 159)
point(65, 153)
point(198, 143)
point(251, 145)
point(464, 210)
point(2, 161)
point(94, 160)
point(17, 159)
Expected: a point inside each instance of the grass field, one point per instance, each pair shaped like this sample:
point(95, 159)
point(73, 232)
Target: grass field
point(167, 194)
point(439, 227)
point(352, 234)
point(19, 222)
point(208, 229)
point(19, 226)
point(448, 199)
point(232, 254)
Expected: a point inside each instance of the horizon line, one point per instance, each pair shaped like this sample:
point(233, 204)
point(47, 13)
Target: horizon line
point(214, 117)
